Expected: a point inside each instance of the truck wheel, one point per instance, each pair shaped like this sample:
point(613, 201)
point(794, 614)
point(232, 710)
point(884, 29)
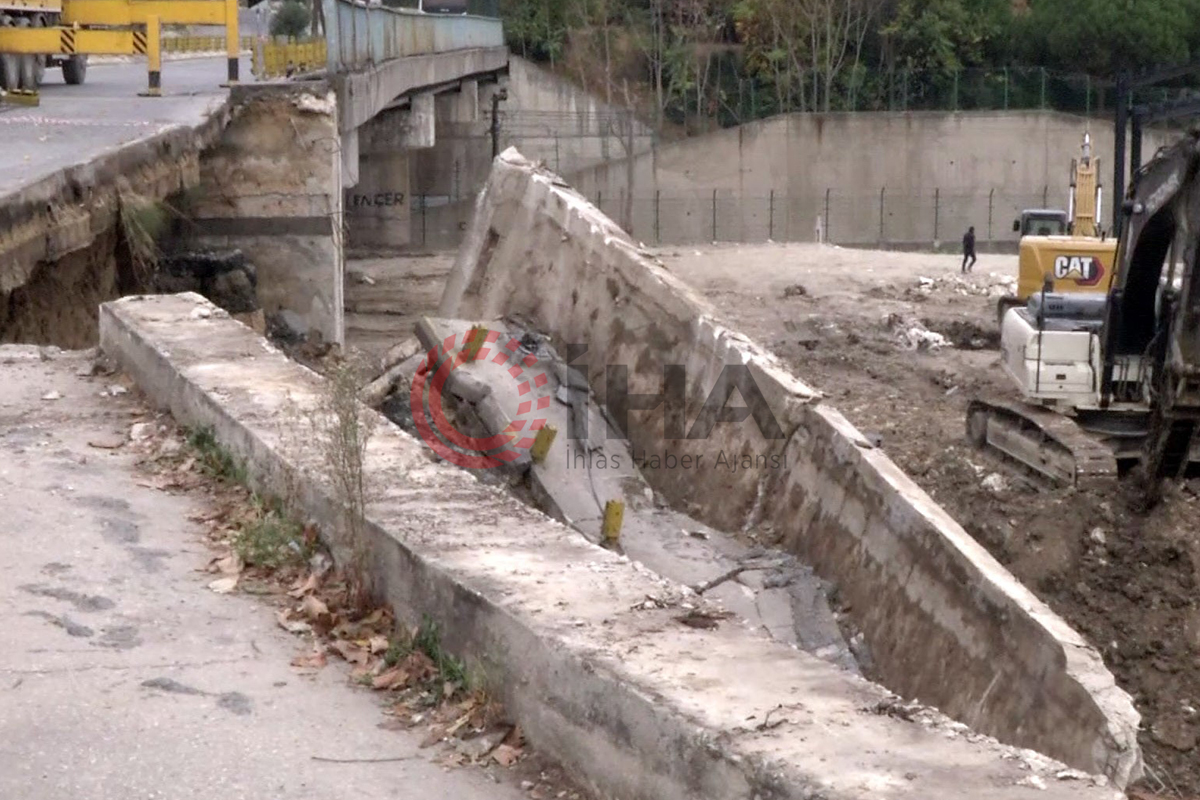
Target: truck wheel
point(39, 62)
point(10, 65)
point(28, 65)
point(74, 70)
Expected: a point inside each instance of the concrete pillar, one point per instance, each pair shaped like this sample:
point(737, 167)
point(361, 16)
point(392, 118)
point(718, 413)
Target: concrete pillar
point(272, 188)
point(350, 157)
point(379, 207)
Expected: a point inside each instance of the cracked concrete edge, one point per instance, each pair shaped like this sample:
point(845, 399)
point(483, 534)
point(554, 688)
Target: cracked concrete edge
point(917, 580)
point(638, 706)
point(67, 210)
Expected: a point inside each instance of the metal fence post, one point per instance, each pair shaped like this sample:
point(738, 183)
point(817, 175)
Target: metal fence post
point(424, 222)
point(1088, 95)
point(1045, 195)
point(991, 200)
point(1006, 88)
point(954, 105)
point(657, 218)
point(771, 218)
point(714, 215)
point(937, 202)
point(827, 216)
point(1043, 103)
point(599, 201)
point(881, 191)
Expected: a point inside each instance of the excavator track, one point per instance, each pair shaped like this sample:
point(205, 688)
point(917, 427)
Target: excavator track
point(1046, 442)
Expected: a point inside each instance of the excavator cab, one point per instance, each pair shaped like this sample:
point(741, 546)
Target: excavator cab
point(1041, 222)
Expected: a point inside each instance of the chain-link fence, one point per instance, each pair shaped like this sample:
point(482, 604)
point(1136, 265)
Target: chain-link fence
point(879, 217)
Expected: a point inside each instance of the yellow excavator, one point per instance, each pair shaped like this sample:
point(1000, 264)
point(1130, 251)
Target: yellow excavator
point(1069, 248)
point(1110, 380)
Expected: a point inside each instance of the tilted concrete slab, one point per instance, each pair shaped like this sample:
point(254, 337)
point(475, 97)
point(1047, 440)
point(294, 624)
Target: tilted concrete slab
point(944, 621)
point(634, 703)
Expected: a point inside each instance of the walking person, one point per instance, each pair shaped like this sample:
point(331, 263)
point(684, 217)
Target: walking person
point(968, 249)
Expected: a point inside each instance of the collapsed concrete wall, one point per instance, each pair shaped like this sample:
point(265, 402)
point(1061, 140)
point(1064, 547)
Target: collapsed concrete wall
point(600, 677)
point(61, 251)
point(271, 187)
point(946, 623)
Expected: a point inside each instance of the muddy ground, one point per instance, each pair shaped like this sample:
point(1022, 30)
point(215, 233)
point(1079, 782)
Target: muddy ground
point(844, 320)
point(1128, 582)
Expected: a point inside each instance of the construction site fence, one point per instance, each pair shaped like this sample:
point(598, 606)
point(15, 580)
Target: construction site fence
point(734, 97)
point(282, 56)
point(930, 219)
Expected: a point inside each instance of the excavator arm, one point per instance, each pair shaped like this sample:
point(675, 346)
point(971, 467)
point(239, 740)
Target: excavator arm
point(1151, 336)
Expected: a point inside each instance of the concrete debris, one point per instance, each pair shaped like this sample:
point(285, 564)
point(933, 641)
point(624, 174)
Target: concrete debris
point(912, 335)
point(52, 396)
point(116, 390)
point(201, 313)
point(994, 483)
point(768, 589)
point(1097, 535)
point(1035, 781)
point(141, 431)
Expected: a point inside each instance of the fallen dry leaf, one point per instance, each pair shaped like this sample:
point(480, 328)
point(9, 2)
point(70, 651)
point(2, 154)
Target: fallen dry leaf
point(308, 585)
point(392, 679)
point(314, 660)
point(507, 755)
point(377, 645)
point(107, 441)
point(231, 564)
point(292, 625)
point(350, 652)
point(224, 585)
point(314, 608)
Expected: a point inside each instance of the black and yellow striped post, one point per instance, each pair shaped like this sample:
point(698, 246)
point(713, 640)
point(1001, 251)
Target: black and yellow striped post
point(233, 51)
point(152, 45)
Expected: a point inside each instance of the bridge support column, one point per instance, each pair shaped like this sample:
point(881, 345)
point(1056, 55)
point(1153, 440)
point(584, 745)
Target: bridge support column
point(379, 207)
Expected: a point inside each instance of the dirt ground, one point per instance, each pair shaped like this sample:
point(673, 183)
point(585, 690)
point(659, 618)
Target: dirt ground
point(1128, 582)
point(843, 319)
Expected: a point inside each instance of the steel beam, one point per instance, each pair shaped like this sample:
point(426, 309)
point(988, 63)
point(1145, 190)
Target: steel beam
point(71, 41)
point(138, 12)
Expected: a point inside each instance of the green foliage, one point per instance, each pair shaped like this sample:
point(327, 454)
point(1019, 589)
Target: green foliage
point(730, 61)
point(292, 19)
point(271, 539)
point(213, 459)
point(428, 640)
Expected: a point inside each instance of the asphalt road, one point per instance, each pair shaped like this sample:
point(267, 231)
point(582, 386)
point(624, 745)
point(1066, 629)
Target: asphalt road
point(75, 124)
point(121, 675)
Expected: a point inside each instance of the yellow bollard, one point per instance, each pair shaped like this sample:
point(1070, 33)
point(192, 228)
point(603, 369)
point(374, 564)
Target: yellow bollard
point(475, 340)
point(614, 516)
point(541, 443)
point(232, 41)
point(154, 56)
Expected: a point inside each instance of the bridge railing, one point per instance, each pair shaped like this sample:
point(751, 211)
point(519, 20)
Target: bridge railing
point(360, 35)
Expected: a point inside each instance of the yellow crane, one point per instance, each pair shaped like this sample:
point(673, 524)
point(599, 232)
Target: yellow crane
point(35, 34)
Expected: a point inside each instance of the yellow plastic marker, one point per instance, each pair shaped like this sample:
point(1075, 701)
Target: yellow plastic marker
point(541, 443)
point(475, 341)
point(614, 516)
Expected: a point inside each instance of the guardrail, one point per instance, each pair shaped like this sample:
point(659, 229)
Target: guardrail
point(361, 35)
point(201, 44)
point(281, 57)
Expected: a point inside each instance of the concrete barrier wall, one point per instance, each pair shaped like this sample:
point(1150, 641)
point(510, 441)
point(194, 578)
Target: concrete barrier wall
point(945, 622)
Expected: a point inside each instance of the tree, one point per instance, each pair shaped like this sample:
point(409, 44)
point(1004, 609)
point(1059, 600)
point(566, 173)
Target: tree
point(292, 19)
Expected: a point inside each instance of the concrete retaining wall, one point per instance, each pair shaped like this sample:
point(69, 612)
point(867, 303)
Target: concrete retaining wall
point(629, 700)
point(272, 187)
point(876, 177)
point(945, 622)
